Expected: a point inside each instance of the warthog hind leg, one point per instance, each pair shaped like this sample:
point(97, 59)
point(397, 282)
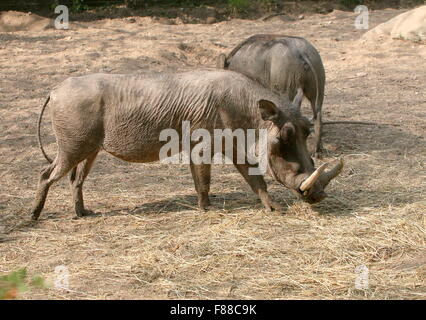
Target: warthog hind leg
point(52, 173)
point(77, 177)
point(317, 121)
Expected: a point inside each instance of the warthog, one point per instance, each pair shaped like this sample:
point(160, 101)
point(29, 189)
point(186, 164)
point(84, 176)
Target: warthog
point(124, 115)
point(283, 64)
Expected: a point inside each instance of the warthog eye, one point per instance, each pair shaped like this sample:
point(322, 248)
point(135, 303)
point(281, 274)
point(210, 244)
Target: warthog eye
point(307, 131)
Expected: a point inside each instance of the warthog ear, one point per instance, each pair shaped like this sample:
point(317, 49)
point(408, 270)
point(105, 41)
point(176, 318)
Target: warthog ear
point(297, 101)
point(268, 110)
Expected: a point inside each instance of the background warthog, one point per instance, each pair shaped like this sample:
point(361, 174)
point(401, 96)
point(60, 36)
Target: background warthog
point(283, 64)
point(124, 115)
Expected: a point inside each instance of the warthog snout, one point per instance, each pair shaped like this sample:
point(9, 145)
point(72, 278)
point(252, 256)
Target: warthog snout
point(316, 197)
point(312, 188)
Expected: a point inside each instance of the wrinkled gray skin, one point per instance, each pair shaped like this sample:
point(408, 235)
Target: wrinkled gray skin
point(124, 114)
point(284, 64)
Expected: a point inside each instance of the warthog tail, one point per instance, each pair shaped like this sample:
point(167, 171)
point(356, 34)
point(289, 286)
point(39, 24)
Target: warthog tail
point(308, 61)
point(221, 62)
point(38, 130)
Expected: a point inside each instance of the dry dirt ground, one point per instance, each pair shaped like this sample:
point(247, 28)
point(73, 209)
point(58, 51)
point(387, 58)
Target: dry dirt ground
point(149, 241)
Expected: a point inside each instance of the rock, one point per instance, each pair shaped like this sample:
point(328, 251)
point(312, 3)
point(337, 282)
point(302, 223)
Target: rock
point(204, 12)
point(285, 18)
point(11, 21)
point(301, 17)
point(164, 20)
point(410, 25)
point(211, 20)
point(278, 16)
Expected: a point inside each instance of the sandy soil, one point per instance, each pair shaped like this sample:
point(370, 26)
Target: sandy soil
point(149, 241)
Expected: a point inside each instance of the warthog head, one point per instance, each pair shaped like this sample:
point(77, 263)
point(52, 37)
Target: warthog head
point(289, 161)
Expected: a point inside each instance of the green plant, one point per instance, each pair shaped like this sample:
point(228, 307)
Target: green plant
point(73, 5)
point(134, 4)
point(17, 282)
point(350, 3)
point(78, 5)
point(239, 5)
point(268, 4)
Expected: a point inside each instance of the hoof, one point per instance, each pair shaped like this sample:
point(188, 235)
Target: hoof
point(274, 207)
point(203, 207)
point(203, 204)
point(277, 207)
point(318, 154)
point(85, 213)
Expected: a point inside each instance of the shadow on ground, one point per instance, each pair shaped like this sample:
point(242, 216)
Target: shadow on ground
point(350, 138)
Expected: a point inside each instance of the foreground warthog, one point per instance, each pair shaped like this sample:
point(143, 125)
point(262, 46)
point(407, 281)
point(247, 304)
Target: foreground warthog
point(124, 115)
point(283, 64)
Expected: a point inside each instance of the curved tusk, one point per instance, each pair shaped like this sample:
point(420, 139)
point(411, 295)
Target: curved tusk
point(309, 182)
point(327, 176)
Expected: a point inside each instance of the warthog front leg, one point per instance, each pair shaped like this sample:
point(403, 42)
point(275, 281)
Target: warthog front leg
point(258, 185)
point(77, 177)
point(201, 174)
